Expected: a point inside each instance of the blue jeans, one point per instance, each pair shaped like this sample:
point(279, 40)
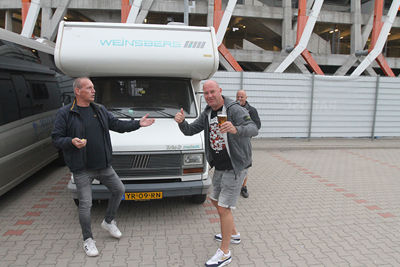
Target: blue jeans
point(83, 181)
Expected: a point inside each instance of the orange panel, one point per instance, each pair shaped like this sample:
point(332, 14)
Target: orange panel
point(301, 24)
point(377, 23)
point(310, 61)
point(384, 66)
point(228, 56)
point(125, 8)
point(301, 19)
point(376, 30)
point(25, 8)
point(218, 13)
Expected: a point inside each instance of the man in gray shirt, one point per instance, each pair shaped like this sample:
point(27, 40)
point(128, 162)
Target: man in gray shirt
point(241, 97)
point(228, 150)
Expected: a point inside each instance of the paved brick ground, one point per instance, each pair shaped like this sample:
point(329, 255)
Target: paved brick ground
point(318, 203)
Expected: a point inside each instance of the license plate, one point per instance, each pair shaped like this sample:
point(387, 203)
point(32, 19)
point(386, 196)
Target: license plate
point(143, 196)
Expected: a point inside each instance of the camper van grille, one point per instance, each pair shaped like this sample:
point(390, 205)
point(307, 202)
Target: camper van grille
point(147, 165)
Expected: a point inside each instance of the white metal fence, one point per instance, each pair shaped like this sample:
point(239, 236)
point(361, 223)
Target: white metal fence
point(298, 105)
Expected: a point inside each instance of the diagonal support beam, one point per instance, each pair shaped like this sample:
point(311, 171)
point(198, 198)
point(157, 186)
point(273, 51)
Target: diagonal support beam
point(50, 26)
point(379, 36)
point(218, 15)
point(352, 59)
point(25, 4)
point(144, 11)
point(305, 27)
point(29, 24)
point(125, 9)
point(225, 21)
point(134, 11)
point(24, 41)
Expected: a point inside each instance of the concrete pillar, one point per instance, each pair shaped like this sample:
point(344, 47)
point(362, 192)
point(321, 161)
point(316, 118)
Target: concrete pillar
point(8, 21)
point(356, 37)
point(210, 13)
point(287, 24)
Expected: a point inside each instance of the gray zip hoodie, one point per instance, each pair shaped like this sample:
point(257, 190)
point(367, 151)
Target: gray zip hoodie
point(239, 146)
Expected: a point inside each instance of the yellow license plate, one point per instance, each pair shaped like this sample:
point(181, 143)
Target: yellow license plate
point(143, 196)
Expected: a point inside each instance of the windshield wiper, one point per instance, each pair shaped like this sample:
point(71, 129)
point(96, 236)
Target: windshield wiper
point(121, 113)
point(165, 113)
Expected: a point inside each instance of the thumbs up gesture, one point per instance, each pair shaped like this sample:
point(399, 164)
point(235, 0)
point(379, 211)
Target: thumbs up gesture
point(180, 116)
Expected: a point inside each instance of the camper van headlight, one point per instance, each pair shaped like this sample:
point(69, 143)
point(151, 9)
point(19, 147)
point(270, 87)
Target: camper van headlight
point(193, 163)
point(192, 159)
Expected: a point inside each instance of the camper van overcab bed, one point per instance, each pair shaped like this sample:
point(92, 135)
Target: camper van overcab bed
point(138, 69)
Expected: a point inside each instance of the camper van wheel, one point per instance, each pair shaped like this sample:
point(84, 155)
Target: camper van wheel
point(76, 202)
point(198, 199)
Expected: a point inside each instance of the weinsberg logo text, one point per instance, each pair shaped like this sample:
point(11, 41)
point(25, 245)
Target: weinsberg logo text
point(150, 43)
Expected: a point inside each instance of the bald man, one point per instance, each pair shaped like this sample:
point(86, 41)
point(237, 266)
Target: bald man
point(228, 150)
point(241, 97)
point(81, 131)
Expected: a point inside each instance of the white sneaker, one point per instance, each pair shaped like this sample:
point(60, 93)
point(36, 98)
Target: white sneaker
point(89, 247)
point(219, 259)
point(235, 239)
point(111, 228)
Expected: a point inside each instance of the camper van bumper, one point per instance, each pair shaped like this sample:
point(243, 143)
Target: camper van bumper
point(189, 188)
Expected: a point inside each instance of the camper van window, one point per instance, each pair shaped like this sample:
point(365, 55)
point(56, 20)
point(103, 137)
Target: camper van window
point(39, 91)
point(8, 103)
point(134, 97)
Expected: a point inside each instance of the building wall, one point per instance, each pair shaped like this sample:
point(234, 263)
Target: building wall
point(265, 28)
point(341, 106)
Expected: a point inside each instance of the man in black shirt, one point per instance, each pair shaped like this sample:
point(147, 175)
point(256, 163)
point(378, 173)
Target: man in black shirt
point(241, 97)
point(81, 131)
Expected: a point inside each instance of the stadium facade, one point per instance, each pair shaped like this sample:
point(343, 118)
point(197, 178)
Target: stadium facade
point(260, 33)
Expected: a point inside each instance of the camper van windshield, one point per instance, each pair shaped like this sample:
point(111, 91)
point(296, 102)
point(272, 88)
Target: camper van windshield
point(134, 97)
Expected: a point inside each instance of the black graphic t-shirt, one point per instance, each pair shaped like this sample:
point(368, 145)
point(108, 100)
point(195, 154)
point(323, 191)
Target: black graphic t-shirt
point(95, 150)
point(220, 155)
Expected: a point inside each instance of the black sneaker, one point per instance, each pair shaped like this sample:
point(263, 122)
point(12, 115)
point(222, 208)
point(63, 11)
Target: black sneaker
point(244, 192)
point(235, 239)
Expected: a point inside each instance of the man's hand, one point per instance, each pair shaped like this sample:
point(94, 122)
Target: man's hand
point(144, 121)
point(180, 116)
point(228, 127)
point(79, 143)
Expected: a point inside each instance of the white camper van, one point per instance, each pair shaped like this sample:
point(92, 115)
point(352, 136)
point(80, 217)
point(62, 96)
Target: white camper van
point(138, 69)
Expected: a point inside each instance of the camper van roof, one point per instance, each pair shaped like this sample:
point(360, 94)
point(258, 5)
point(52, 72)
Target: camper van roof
point(120, 49)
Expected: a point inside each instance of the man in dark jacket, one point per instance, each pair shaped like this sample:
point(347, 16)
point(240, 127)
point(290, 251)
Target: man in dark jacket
point(81, 131)
point(228, 149)
point(241, 97)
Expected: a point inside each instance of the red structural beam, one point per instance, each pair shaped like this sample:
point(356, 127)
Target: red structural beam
point(301, 24)
point(228, 56)
point(218, 13)
point(377, 27)
point(125, 8)
point(24, 10)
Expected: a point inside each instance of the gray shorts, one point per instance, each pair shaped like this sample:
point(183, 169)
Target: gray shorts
point(226, 187)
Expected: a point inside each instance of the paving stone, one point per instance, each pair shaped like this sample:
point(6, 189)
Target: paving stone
point(290, 218)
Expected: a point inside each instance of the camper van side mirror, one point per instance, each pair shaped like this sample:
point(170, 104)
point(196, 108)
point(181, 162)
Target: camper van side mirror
point(199, 96)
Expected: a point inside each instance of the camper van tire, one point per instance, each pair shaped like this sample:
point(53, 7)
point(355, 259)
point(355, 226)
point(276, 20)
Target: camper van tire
point(198, 199)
